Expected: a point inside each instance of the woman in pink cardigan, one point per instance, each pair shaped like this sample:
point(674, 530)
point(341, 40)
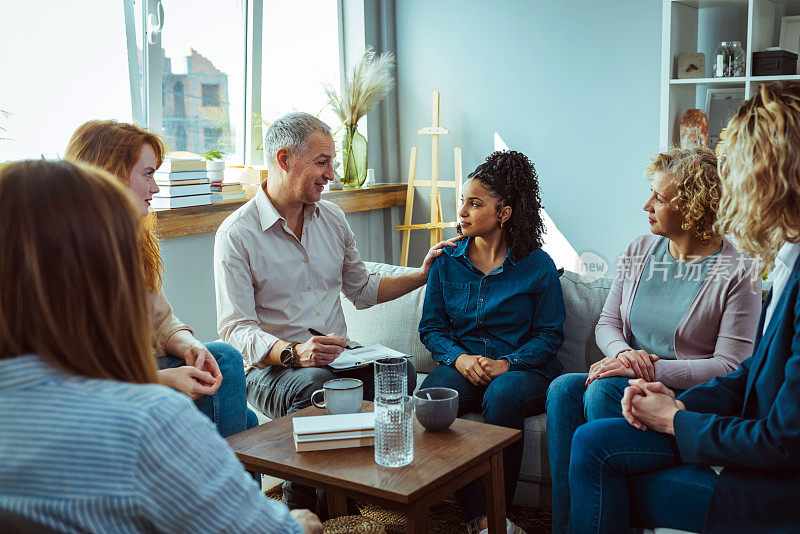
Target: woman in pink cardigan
point(682, 310)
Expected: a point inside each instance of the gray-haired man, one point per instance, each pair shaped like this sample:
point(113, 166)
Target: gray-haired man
point(280, 262)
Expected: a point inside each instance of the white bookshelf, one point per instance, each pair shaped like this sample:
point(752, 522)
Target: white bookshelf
point(699, 26)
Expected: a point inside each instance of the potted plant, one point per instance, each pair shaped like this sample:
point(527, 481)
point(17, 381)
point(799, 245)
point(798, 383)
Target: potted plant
point(367, 84)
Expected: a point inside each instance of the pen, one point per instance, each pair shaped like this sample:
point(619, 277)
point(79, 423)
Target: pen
point(318, 333)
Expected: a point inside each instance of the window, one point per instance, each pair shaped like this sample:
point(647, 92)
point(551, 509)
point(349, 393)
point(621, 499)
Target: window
point(202, 77)
point(210, 95)
point(60, 78)
point(212, 137)
point(313, 58)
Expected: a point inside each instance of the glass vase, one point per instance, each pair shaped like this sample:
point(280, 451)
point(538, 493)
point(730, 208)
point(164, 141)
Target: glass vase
point(354, 150)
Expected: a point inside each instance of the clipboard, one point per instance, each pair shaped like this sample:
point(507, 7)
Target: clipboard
point(363, 356)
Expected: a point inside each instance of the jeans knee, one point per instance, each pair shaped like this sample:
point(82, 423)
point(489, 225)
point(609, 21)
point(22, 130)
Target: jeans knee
point(503, 405)
point(227, 357)
point(315, 378)
point(563, 388)
point(602, 398)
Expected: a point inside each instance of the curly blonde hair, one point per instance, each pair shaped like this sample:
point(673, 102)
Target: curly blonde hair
point(698, 188)
point(760, 171)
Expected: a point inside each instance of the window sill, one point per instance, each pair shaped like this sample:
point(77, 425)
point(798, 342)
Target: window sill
point(193, 220)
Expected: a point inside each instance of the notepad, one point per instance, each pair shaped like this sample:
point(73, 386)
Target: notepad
point(350, 359)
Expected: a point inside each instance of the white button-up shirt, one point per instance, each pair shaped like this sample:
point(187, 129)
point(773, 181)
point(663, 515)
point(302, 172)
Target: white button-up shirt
point(272, 286)
point(784, 263)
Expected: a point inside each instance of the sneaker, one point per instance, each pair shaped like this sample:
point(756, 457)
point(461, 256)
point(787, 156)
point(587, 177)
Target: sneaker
point(511, 528)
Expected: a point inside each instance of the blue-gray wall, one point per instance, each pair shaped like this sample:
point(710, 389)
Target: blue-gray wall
point(574, 84)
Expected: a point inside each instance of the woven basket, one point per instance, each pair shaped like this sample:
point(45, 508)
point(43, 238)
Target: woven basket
point(352, 524)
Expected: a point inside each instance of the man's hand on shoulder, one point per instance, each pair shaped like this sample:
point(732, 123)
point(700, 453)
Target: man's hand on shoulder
point(319, 351)
point(435, 252)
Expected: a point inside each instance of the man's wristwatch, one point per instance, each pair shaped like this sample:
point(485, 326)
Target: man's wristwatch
point(288, 355)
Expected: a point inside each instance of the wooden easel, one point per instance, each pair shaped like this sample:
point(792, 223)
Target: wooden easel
point(436, 224)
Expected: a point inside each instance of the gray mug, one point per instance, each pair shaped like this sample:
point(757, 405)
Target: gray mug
point(341, 395)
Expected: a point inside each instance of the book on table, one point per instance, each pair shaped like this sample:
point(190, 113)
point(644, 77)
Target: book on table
point(227, 187)
point(322, 432)
point(182, 190)
point(307, 446)
point(182, 161)
point(180, 202)
point(363, 356)
point(179, 176)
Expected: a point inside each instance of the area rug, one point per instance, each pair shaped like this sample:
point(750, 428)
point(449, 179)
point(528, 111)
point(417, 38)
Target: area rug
point(444, 517)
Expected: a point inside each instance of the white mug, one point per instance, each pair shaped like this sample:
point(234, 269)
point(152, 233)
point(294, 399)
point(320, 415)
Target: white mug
point(342, 395)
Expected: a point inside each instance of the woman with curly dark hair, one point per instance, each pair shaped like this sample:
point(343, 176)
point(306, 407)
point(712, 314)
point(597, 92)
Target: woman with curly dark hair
point(682, 309)
point(494, 313)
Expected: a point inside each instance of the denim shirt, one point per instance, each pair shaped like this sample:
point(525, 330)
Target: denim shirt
point(515, 312)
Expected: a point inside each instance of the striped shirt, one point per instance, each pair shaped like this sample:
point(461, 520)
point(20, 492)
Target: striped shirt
point(88, 455)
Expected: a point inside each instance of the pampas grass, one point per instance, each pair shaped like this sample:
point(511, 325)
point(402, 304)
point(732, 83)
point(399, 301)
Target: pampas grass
point(370, 81)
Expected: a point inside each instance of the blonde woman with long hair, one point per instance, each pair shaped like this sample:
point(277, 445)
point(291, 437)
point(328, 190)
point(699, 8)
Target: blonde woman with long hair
point(655, 467)
point(211, 374)
point(90, 441)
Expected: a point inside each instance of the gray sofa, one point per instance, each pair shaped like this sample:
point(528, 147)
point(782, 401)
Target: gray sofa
point(395, 323)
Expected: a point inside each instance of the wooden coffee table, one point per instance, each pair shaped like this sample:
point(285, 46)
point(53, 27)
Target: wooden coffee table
point(443, 462)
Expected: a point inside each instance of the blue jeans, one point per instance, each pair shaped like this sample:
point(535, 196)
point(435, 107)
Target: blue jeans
point(227, 408)
point(506, 401)
point(569, 405)
point(622, 477)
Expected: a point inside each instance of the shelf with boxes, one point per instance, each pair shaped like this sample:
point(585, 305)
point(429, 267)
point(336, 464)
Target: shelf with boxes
point(696, 45)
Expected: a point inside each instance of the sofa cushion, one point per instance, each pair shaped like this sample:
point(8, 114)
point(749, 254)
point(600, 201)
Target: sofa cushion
point(583, 302)
point(394, 324)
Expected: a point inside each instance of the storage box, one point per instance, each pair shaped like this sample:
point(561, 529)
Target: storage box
point(774, 62)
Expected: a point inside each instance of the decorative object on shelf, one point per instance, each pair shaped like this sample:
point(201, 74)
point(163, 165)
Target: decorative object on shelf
point(694, 129)
point(691, 65)
point(774, 62)
point(721, 144)
point(369, 82)
point(370, 178)
point(790, 34)
point(721, 104)
point(436, 223)
point(729, 60)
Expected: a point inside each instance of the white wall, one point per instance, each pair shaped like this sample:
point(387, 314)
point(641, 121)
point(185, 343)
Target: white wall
point(574, 84)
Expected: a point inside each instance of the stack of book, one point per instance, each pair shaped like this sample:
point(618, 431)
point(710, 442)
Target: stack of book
point(225, 192)
point(324, 432)
point(183, 181)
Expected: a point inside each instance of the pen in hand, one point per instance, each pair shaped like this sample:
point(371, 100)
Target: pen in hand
point(318, 333)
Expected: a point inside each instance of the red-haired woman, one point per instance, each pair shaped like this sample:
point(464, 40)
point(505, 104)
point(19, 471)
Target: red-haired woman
point(211, 374)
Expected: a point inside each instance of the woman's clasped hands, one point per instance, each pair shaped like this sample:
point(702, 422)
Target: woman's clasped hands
point(628, 364)
point(480, 370)
point(650, 405)
point(200, 376)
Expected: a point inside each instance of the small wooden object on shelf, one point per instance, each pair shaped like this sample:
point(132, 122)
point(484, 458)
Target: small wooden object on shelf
point(694, 129)
point(691, 65)
point(436, 223)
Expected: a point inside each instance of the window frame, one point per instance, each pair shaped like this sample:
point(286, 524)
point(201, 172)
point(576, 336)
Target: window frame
point(146, 90)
